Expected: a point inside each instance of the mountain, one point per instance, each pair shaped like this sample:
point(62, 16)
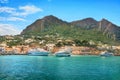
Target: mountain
point(88, 23)
point(44, 24)
point(106, 27)
point(51, 24)
point(110, 29)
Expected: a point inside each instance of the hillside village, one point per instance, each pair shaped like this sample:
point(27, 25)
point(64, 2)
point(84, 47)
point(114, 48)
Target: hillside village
point(86, 36)
point(20, 45)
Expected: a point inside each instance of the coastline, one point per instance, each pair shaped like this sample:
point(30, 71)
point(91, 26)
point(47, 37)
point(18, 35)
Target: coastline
point(54, 55)
point(76, 50)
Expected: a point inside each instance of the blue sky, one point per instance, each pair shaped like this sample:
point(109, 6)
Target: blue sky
point(15, 15)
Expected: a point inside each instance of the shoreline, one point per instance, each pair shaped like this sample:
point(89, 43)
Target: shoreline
point(53, 55)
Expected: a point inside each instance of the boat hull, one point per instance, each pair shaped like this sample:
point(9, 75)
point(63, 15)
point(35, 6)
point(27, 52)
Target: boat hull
point(106, 54)
point(38, 53)
point(62, 54)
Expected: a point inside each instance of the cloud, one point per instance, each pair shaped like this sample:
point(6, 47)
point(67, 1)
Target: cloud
point(21, 11)
point(7, 10)
point(28, 9)
point(8, 29)
point(15, 19)
point(11, 19)
point(3, 1)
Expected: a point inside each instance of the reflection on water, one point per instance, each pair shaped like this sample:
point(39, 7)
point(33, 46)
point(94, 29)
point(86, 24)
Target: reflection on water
point(59, 68)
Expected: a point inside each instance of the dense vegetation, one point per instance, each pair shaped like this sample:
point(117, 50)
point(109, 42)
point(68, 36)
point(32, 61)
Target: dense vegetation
point(72, 33)
point(79, 36)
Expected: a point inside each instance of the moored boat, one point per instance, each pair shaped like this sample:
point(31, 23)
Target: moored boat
point(63, 53)
point(38, 52)
point(106, 54)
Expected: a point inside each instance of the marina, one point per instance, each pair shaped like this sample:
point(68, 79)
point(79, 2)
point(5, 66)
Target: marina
point(59, 40)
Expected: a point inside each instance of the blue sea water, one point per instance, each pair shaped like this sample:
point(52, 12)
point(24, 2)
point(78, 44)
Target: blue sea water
point(59, 68)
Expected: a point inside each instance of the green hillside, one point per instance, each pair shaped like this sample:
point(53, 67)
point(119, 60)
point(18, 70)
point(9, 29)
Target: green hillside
point(73, 33)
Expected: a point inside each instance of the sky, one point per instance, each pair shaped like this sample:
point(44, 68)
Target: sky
point(16, 15)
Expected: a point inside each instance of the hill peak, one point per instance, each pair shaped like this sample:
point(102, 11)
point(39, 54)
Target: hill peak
point(104, 20)
point(50, 16)
point(87, 23)
point(89, 19)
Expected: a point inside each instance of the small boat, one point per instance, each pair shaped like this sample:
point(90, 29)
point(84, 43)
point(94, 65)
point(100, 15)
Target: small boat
point(38, 52)
point(106, 54)
point(63, 53)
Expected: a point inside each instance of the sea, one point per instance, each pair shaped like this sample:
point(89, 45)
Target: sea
point(84, 67)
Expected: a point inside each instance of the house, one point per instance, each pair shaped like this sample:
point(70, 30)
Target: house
point(50, 47)
point(29, 40)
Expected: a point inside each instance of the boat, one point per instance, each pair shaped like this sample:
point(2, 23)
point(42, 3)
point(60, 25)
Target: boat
point(38, 52)
point(63, 53)
point(106, 54)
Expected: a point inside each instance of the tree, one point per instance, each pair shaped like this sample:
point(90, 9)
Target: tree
point(59, 44)
point(85, 43)
point(77, 42)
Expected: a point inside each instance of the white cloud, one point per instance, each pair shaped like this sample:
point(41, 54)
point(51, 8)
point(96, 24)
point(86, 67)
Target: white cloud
point(15, 19)
point(7, 10)
point(3, 1)
point(11, 19)
point(7, 29)
point(21, 11)
point(28, 9)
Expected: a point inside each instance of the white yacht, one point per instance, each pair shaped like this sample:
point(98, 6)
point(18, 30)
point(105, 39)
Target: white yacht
point(63, 53)
point(38, 52)
point(106, 54)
